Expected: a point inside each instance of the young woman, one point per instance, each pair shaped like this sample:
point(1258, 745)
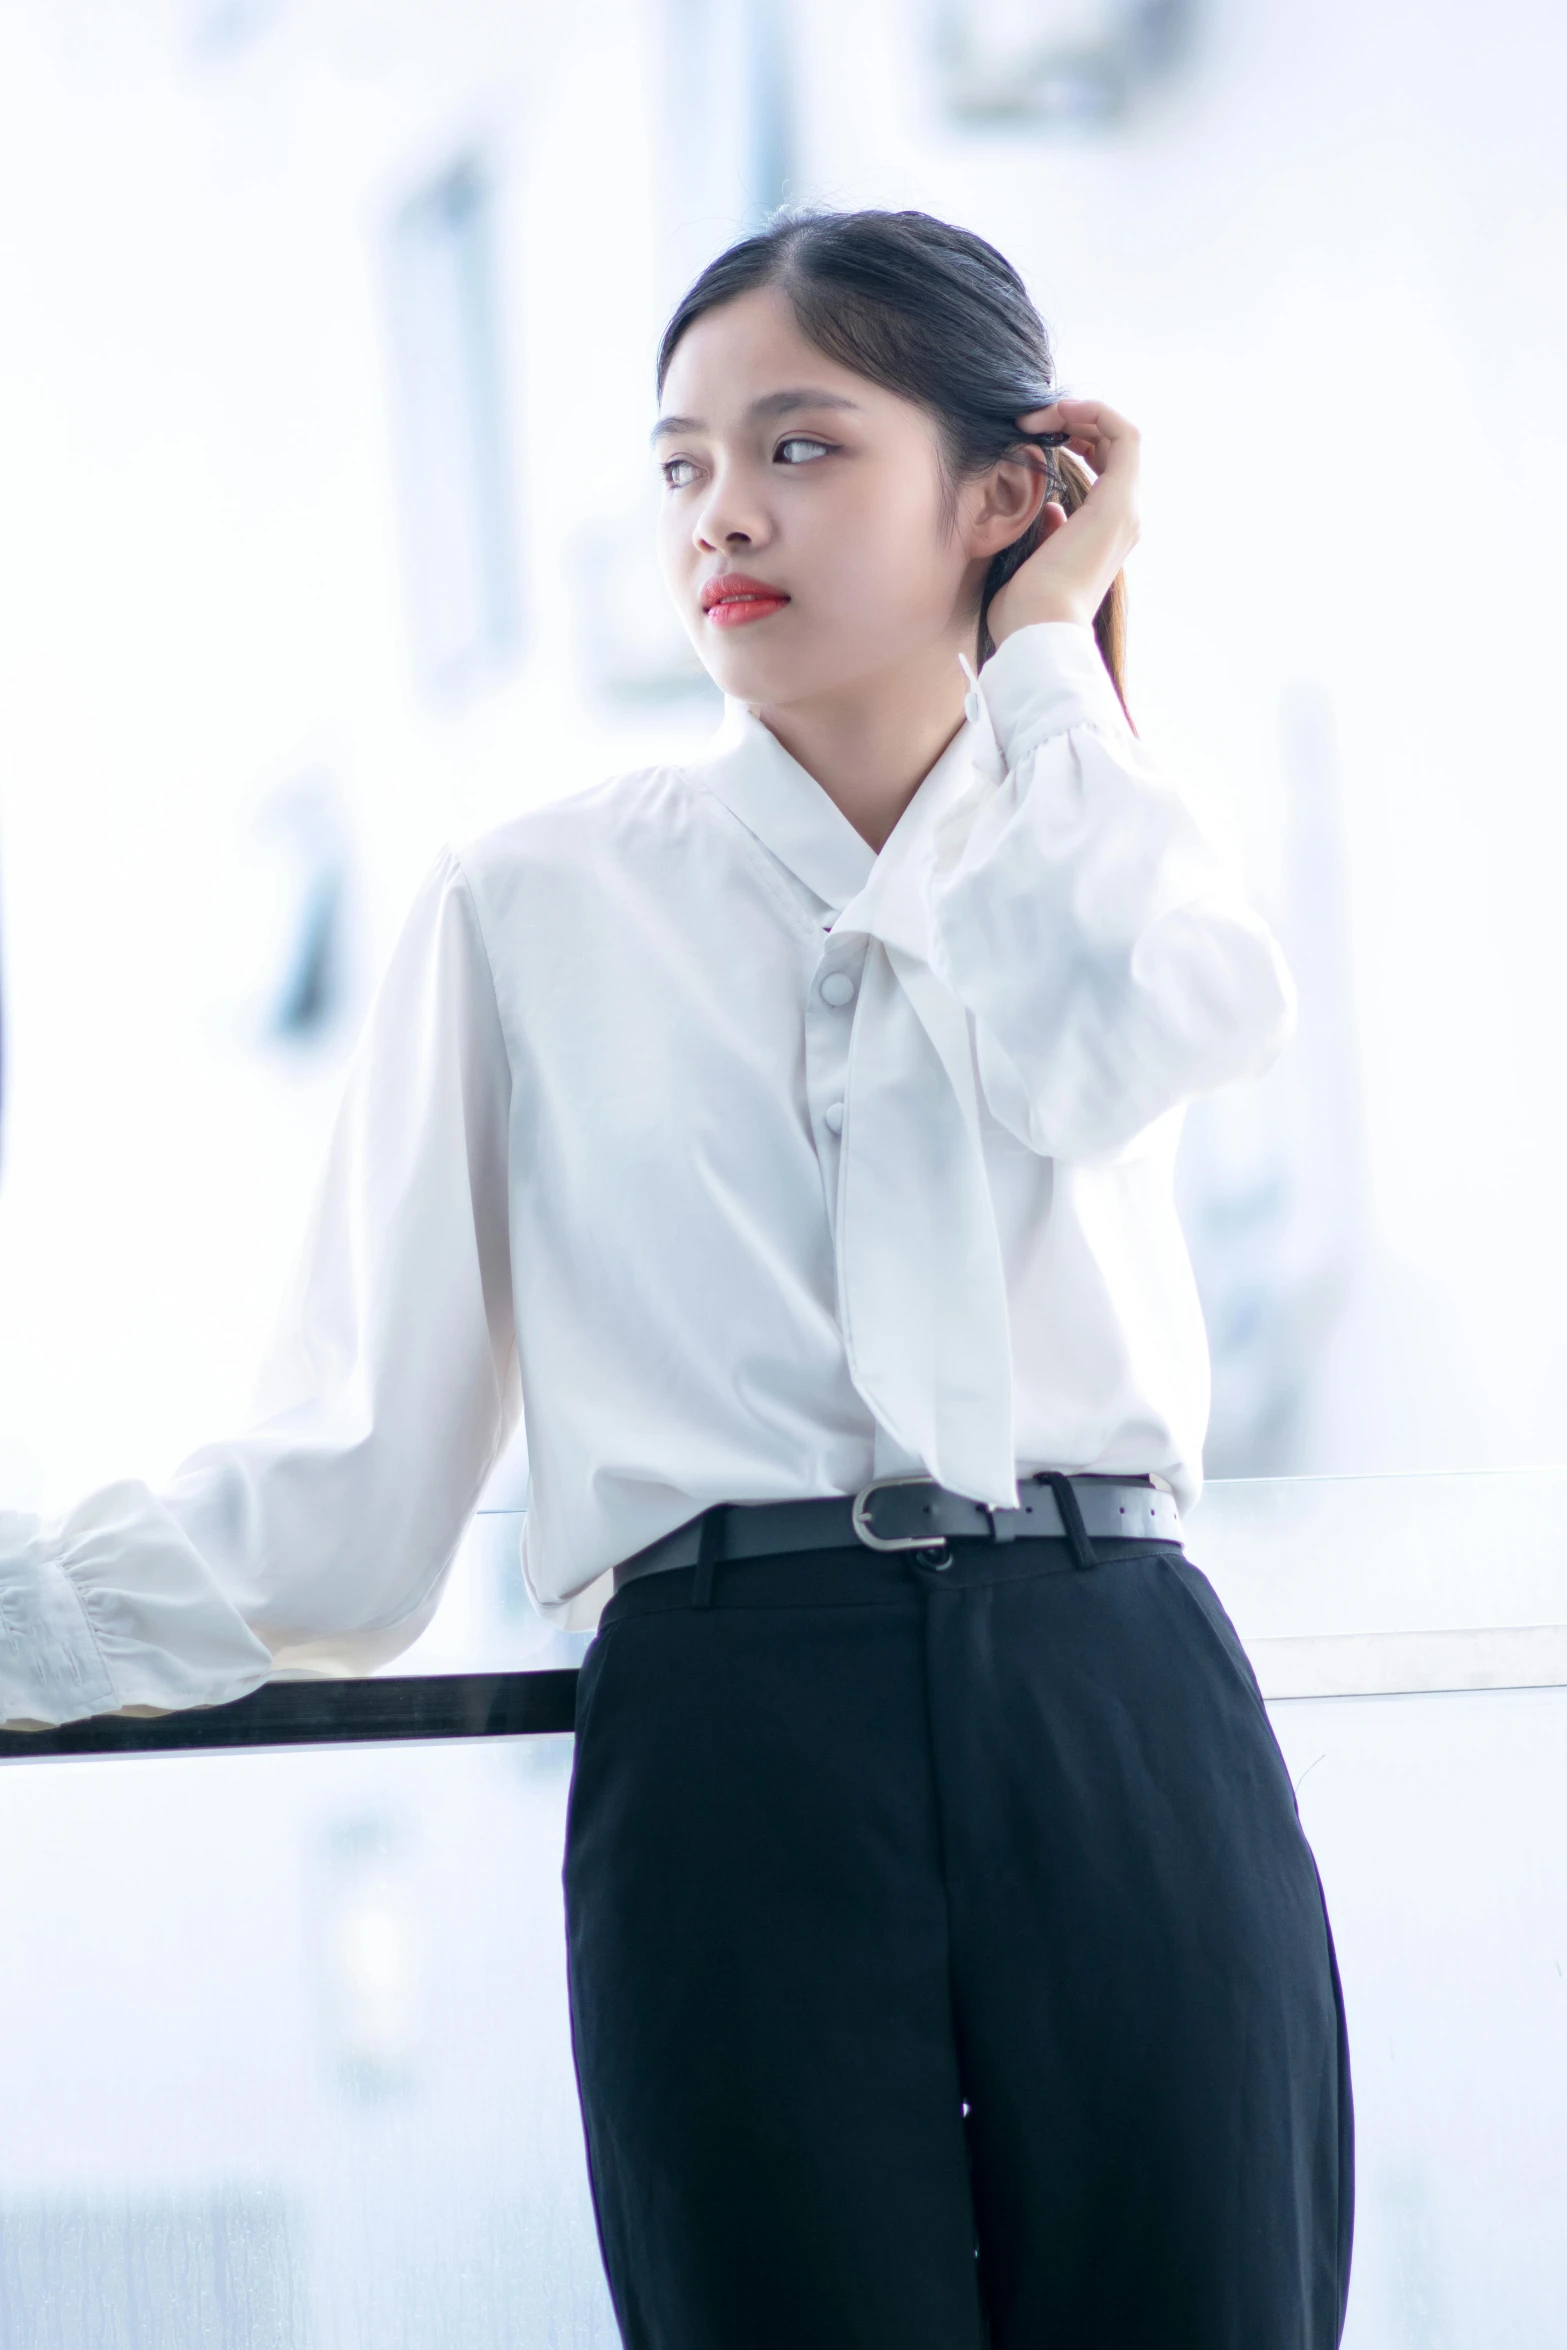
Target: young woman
point(788, 1135)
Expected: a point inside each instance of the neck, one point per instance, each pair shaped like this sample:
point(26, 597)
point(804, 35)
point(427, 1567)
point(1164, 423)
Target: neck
point(870, 745)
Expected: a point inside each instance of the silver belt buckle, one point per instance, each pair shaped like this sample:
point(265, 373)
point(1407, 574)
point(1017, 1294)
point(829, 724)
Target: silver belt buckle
point(859, 1518)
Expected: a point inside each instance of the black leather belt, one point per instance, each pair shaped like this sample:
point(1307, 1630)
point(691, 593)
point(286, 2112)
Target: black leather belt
point(913, 1514)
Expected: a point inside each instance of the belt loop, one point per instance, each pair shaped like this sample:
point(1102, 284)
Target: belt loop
point(710, 1545)
point(1071, 1510)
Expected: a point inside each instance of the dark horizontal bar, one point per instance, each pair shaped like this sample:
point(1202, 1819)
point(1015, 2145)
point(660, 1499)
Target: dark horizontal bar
point(323, 1713)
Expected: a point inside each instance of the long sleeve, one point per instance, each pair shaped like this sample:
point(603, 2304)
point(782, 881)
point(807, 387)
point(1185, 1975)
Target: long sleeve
point(318, 1541)
point(1109, 960)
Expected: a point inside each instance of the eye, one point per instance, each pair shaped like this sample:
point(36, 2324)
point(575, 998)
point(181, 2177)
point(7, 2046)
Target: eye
point(678, 472)
point(799, 450)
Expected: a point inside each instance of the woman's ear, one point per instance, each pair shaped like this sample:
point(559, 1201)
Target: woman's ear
point(1002, 503)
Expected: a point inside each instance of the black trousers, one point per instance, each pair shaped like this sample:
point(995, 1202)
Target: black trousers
point(948, 1966)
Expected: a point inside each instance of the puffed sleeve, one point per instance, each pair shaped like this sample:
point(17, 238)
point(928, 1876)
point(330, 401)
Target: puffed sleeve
point(318, 1541)
point(1103, 947)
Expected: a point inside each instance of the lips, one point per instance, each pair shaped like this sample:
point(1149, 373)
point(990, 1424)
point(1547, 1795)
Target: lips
point(734, 598)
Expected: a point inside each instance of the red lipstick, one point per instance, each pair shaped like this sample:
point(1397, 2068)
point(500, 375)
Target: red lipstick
point(734, 598)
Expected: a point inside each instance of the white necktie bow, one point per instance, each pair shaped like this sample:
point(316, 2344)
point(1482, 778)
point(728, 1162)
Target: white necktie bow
point(921, 1285)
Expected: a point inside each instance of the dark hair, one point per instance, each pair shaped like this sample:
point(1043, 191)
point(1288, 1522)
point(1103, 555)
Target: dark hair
point(935, 314)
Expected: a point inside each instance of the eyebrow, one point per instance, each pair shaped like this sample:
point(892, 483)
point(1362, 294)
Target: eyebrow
point(771, 404)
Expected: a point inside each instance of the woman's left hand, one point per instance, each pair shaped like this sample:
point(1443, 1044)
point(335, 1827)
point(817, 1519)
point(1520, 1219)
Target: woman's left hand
point(1070, 572)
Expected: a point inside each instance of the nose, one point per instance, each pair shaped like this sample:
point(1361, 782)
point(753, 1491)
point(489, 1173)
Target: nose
point(730, 518)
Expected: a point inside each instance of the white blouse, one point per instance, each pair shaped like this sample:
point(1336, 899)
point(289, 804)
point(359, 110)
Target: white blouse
point(744, 1163)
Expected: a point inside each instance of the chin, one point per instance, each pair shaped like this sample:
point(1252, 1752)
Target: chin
point(750, 676)
point(773, 676)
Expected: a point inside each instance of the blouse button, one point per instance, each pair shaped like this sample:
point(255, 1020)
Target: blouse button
point(832, 1117)
point(837, 989)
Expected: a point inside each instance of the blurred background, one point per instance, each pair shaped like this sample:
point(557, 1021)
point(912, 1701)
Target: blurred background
point(325, 378)
point(326, 341)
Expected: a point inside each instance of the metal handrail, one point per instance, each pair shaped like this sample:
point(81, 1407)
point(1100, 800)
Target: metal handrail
point(323, 1713)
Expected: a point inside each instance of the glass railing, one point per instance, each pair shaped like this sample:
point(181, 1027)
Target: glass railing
point(287, 2064)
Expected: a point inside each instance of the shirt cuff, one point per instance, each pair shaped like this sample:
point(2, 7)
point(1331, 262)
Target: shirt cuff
point(114, 1607)
point(51, 1669)
point(1044, 680)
